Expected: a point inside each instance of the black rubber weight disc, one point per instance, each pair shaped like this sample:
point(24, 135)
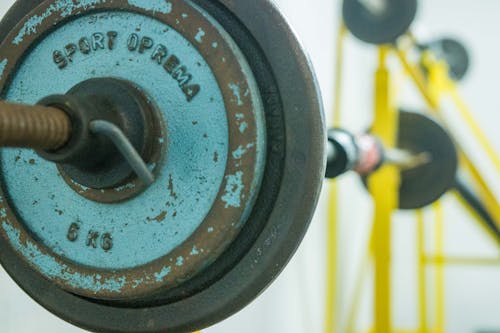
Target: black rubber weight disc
point(294, 174)
point(455, 54)
point(425, 184)
point(382, 28)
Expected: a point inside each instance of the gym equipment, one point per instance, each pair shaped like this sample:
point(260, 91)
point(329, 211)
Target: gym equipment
point(170, 138)
point(454, 53)
point(425, 156)
point(436, 160)
point(379, 21)
point(178, 155)
point(474, 192)
point(471, 198)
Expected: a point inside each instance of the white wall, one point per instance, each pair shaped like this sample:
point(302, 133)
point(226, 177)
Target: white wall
point(294, 303)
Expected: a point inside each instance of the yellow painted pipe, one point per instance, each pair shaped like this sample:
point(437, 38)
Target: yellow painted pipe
point(384, 187)
point(332, 219)
point(422, 280)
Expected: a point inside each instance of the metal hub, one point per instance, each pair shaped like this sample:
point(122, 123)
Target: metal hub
point(90, 162)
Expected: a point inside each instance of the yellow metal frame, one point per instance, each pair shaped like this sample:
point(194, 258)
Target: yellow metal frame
point(384, 186)
point(332, 227)
point(437, 86)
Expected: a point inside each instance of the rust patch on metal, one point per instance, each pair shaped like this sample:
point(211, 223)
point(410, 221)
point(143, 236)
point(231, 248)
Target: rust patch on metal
point(159, 218)
point(171, 188)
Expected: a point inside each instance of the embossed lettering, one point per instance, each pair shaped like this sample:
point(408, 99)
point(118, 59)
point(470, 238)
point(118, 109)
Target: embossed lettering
point(181, 75)
point(84, 45)
point(97, 41)
point(92, 239)
point(146, 44)
point(70, 51)
point(142, 44)
point(60, 59)
point(159, 54)
point(111, 39)
point(171, 64)
point(133, 42)
point(73, 232)
point(107, 242)
point(191, 91)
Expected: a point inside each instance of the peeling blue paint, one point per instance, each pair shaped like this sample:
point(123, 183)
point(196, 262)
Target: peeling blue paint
point(215, 45)
point(3, 65)
point(180, 261)
point(243, 127)
point(194, 251)
point(129, 186)
point(160, 6)
point(238, 153)
point(163, 273)
point(241, 151)
point(53, 269)
point(236, 91)
point(83, 188)
point(233, 190)
point(137, 283)
point(199, 36)
point(210, 230)
point(65, 7)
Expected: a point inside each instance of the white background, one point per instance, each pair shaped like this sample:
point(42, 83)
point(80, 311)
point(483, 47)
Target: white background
point(294, 303)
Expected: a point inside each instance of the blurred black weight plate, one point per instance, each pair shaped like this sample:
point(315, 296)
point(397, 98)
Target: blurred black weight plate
point(379, 23)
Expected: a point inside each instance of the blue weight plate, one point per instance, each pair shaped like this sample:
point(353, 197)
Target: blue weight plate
point(210, 164)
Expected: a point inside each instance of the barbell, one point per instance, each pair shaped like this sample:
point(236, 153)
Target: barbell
point(164, 158)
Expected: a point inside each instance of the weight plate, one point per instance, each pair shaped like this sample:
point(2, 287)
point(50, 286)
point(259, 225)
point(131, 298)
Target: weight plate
point(214, 159)
point(295, 159)
point(454, 53)
point(379, 22)
point(425, 184)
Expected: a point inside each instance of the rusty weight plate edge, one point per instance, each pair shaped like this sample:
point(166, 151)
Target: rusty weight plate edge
point(285, 228)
